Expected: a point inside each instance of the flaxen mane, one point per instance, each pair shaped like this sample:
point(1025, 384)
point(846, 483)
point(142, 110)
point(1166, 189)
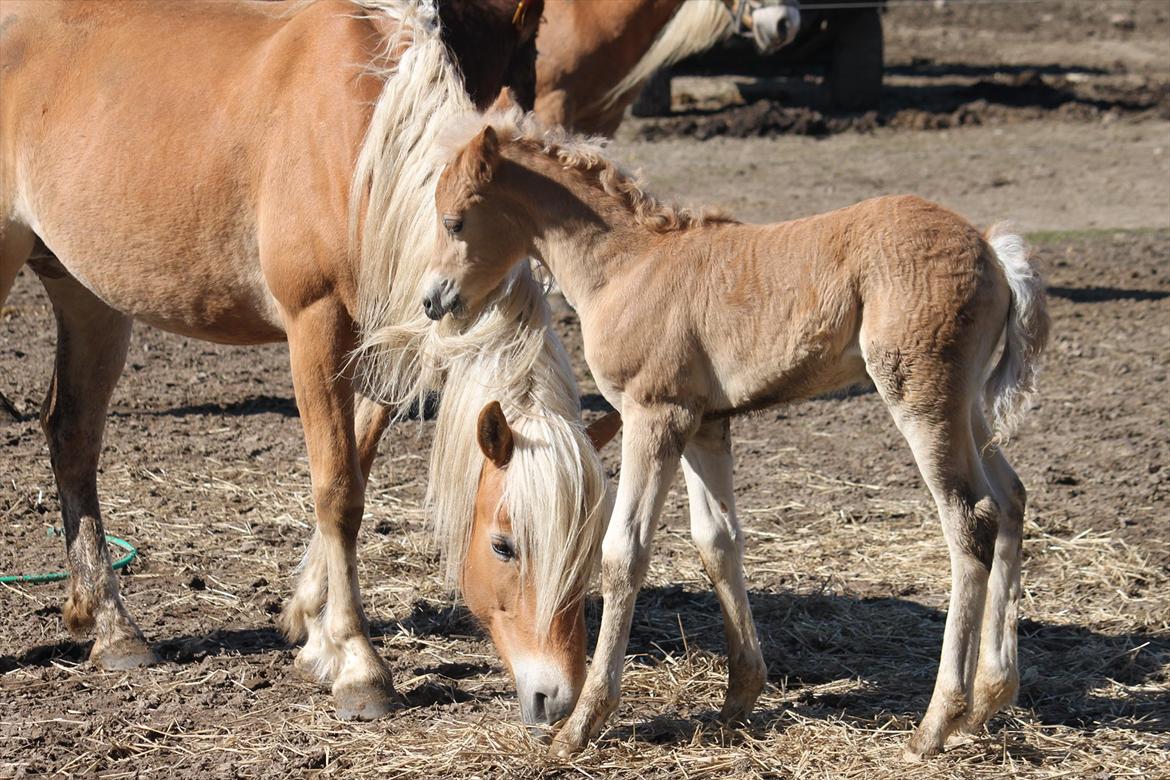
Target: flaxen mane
point(587, 155)
point(555, 490)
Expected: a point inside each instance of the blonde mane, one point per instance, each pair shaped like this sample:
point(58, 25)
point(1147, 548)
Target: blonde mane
point(587, 155)
point(555, 490)
point(696, 26)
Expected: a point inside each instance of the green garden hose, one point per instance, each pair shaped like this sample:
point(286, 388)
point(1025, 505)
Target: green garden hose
point(53, 576)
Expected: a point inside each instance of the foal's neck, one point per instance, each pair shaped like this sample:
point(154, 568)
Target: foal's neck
point(581, 233)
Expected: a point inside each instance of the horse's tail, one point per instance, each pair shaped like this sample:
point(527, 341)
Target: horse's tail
point(1013, 380)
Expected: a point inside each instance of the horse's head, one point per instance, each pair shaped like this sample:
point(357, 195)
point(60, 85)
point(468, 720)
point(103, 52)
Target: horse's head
point(501, 590)
point(483, 242)
point(770, 23)
point(494, 44)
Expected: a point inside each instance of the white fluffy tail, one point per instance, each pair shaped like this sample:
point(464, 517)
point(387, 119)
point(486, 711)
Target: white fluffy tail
point(1013, 380)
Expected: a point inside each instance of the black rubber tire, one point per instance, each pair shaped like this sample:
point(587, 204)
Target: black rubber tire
point(854, 73)
point(654, 99)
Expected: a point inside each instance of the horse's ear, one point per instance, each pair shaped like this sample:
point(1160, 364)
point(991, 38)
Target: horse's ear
point(494, 435)
point(602, 430)
point(505, 101)
point(480, 158)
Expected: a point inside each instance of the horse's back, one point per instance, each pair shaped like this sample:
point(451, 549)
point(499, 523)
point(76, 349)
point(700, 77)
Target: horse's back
point(153, 146)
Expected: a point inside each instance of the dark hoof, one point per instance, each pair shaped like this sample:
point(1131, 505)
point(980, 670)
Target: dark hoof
point(368, 702)
point(123, 655)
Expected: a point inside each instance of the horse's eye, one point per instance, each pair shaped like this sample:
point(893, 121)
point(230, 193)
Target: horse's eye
point(502, 546)
point(453, 225)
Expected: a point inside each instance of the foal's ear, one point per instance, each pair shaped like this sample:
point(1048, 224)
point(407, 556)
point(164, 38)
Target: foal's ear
point(505, 101)
point(602, 430)
point(494, 435)
point(480, 157)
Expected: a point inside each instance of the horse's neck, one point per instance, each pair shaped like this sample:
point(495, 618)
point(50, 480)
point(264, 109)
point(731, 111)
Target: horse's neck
point(578, 231)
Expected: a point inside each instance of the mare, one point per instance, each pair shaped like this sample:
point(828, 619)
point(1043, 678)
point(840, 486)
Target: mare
point(259, 172)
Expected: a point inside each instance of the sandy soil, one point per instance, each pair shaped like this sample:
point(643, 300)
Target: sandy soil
point(205, 471)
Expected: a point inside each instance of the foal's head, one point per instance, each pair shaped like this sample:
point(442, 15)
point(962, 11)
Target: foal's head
point(499, 589)
point(483, 240)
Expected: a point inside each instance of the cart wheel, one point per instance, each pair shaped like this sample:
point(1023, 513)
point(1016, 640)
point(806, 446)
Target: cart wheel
point(654, 99)
point(855, 68)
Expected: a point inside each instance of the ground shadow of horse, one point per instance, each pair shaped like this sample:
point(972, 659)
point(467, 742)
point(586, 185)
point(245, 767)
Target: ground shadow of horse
point(890, 645)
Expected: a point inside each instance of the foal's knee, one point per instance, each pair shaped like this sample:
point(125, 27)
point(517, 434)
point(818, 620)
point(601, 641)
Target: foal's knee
point(978, 525)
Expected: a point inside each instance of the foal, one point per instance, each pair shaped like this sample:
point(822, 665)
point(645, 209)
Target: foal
point(690, 318)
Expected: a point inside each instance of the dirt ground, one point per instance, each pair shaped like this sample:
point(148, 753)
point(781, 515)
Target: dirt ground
point(204, 469)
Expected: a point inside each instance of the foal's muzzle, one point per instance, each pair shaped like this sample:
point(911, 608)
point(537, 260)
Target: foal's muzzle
point(442, 298)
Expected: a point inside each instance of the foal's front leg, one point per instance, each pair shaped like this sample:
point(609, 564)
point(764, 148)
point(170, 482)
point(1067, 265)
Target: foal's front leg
point(651, 445)
point(320, 338)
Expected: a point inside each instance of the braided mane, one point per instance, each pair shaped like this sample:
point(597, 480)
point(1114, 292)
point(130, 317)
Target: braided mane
point(586, 155)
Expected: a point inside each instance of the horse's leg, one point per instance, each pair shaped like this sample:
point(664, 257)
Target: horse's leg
point(944, 449)
point(301, 618)
point(92, 340)
point(320, 337)
point(651, 446)
point(370, 420)
point(997, 677)
point(707, 466)
point(16, 243)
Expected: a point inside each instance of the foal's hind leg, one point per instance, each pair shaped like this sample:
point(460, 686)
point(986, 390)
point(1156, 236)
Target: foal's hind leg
point(91, 349)
point(997, 677)
point(939, 432)
point(707, 466)
point(301, 618)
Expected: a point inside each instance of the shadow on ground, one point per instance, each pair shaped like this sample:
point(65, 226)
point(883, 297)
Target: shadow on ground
point(888, 645)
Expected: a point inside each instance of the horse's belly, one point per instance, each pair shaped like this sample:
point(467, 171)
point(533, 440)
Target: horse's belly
point(217, 294)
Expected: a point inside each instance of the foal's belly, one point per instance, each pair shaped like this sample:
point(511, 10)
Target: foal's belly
point(747, 386)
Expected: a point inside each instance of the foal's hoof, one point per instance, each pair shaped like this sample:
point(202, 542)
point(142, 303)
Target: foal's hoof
point(364, 702)
point(123, 655)
point(919, 747)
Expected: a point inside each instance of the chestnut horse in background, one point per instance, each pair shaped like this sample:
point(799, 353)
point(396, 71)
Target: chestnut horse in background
point(691, 318)
point(255, 172)
point(595, 57)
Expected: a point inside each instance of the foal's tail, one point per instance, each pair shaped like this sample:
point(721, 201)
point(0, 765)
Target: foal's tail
point(1013, 380)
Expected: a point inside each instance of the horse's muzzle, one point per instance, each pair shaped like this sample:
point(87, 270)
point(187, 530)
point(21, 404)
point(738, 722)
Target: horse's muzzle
point(775, 26)
point(441, 299)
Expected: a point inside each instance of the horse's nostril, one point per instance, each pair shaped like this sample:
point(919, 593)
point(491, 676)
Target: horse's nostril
point(539, 711)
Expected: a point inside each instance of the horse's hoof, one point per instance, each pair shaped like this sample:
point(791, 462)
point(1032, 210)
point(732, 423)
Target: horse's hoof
point(568, 742)
point(309, 669)
point(364, 702)
point(918, 748)
point(123, 655)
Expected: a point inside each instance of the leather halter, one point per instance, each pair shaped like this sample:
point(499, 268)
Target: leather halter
point(519, 14)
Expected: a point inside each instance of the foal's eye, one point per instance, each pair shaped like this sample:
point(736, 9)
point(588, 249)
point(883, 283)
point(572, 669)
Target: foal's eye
point(453, 224)
point(502, 546)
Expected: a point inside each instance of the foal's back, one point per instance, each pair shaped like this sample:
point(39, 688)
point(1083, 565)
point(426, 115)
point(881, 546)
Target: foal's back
point(753, 315)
